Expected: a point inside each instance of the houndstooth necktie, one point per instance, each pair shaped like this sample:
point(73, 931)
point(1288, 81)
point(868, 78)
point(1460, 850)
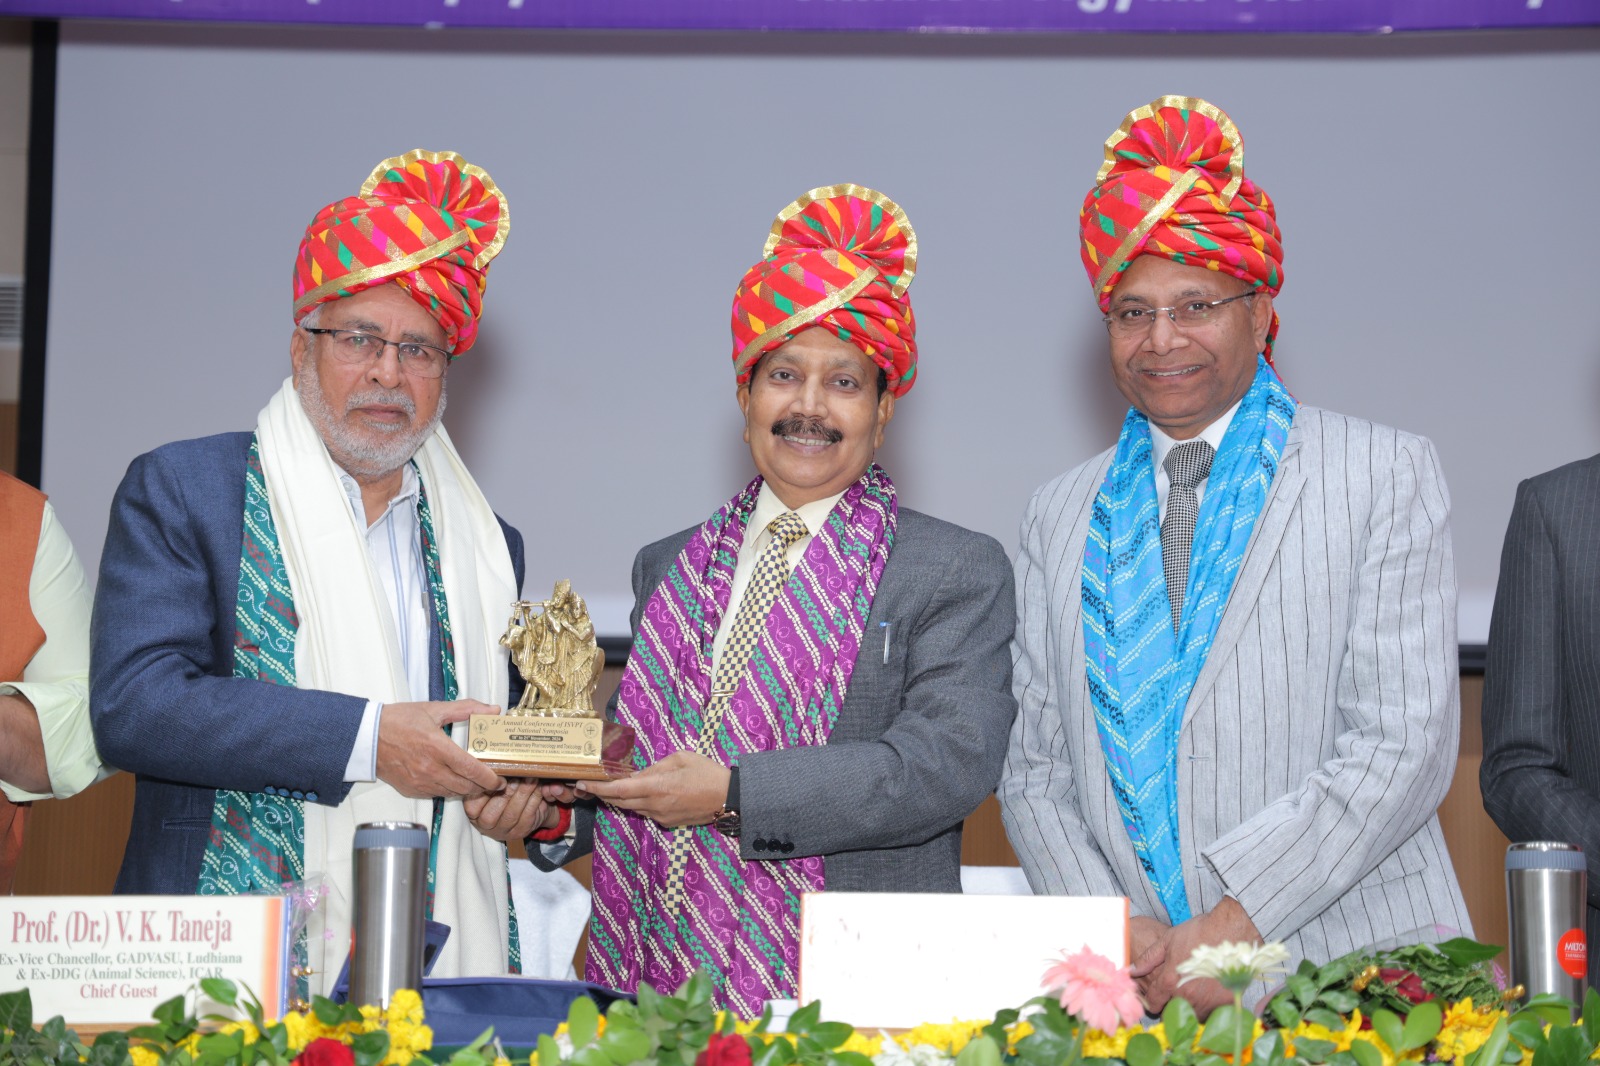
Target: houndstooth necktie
point(771, 573)
point(1187, 465)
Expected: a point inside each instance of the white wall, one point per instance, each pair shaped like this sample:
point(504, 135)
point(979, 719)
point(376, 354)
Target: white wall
point(1435, 194)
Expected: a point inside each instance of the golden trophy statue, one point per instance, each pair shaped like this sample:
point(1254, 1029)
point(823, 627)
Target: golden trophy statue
point(553, 731)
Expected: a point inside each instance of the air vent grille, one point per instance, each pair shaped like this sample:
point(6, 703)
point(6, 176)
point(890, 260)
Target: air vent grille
point(10, 310)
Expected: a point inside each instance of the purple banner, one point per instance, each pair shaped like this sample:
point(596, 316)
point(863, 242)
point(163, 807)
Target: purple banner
point(938, 16)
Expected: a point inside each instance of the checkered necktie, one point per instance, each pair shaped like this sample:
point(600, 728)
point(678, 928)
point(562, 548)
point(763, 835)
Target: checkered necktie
point(771, 573)
point(1187, 465)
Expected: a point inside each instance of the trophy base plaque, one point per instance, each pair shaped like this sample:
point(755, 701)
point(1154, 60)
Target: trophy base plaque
point(558, 749)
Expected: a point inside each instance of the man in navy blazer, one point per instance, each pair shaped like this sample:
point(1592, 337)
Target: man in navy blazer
point(289, 621)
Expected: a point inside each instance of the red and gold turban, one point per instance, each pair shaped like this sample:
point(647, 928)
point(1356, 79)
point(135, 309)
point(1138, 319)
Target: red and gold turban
point(428, 221)
point(840, 257)
point(1173, 185)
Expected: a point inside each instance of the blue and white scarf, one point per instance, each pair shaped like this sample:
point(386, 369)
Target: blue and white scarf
point(1140, 671)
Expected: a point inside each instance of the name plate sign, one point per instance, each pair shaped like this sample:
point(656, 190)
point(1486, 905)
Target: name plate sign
point(107, 961)
point(896, 960)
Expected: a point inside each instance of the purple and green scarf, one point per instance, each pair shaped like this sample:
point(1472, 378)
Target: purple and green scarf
point(742, 920)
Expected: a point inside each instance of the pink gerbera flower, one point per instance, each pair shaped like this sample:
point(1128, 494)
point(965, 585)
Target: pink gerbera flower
point(1103, 996)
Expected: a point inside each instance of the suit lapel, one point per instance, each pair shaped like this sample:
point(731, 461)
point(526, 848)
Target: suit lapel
point(1259, 555)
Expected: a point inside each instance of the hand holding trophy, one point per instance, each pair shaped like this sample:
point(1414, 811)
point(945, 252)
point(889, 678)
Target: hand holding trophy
point(553, 731)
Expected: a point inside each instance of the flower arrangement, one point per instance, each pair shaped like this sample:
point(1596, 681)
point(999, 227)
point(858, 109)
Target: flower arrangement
point(1368, 1009)
point(328, 1034)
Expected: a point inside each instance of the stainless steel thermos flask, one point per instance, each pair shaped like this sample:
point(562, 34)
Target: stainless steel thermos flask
point(1546, 894)
point(391, 877)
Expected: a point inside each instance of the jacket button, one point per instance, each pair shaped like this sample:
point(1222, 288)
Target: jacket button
point(759, 844)
point(297, 794)
point(311, 797)
point(269, 790)
point(786, 847)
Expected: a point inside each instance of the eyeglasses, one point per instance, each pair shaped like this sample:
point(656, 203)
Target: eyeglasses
point(1136, 321)
point(355, 348)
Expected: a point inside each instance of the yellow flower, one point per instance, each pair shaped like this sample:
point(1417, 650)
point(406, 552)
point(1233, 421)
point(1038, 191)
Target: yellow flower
point(1339, 1038)
point(1465, 1029)
point(1018, 1032)
point(951, 1036)
point(863, 1044)
point(501, 1060)
point(404, 1006)
point(245, 1026)
point(143, 1055)
point(1115, 1046)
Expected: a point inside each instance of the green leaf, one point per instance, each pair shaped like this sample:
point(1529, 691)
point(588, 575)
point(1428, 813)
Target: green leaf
point(171, 1012)
point(830, 1034)
point(623, 1046)
point(1365, 1054)
point(803, 1019)
point(326, 1011)
point(1386, 1023)
point(1179, 1022)
point(1421, 1026)
point(370, 1048)
point(1143, 1050)
point(1302, 988)
point(1565, 1046)
point(1591, 1016)
point(1464, 952)
point(16, 1011)
point(847, 1058)
point(1340, 1000)
point(1282, 1011)
point(550, 1051)
point(589, 1056)
point(1527, 1030)
point(222, 991)
point(1314, 1050)
point(979, 1052)
point(1554, 1009)
point(220, 1045)
point(583, 1019)
point(1228, 1030)
point(776, 1053)
point(1492, 1051)
point(1323, 1017)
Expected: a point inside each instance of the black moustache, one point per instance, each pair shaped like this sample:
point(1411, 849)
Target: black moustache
point(803, 427)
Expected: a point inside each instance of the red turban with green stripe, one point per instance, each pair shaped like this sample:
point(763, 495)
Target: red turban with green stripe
point(1173, 185)
point(840, 257)
point(427, 221)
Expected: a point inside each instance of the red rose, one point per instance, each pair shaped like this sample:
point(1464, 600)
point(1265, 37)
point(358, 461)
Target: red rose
point(1407, 985)
point(325, 1052)
point(725, 1049)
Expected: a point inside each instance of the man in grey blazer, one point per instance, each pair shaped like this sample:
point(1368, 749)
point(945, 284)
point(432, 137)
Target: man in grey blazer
point(1235, 660)
point(820, 678)
point(1541, 744)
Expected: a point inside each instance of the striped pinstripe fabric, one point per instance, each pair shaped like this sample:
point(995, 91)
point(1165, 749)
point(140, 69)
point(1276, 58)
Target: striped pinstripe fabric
point(1321, 734)
point(741, 922)
point(1541, 736)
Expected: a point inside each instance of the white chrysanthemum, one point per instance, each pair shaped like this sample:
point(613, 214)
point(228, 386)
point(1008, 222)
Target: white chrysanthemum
point(1235, 964)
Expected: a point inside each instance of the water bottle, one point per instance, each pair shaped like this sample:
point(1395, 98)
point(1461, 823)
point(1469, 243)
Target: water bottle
point(391, 879)
point(1546, 893)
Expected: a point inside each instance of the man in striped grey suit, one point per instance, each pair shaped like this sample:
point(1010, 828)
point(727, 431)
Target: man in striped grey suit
point(1236, 653)
point(1541, 746)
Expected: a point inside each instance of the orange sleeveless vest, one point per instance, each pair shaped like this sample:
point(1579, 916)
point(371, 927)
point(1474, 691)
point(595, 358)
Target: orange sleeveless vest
point(21, 636)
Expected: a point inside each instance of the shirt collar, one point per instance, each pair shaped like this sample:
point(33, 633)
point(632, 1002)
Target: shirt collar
point(768, 507)
point(1161, 444)
point(409, 484)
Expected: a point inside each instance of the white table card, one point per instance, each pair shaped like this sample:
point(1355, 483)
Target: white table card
point(896, 960)
point(106, 961)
